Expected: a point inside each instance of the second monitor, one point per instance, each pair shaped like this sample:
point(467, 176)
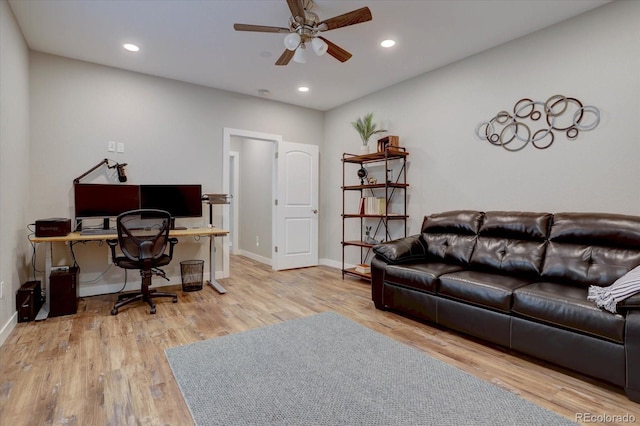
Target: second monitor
point(179, 200)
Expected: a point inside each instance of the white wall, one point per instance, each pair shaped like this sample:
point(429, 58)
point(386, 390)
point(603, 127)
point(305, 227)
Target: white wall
point(14, 165)
point(594, 57)
point(172, 133)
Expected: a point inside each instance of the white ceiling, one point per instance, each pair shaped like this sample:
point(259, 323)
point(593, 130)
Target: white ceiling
point(194, 40)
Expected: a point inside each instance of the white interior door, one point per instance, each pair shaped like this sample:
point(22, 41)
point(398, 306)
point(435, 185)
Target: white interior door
point(296, 211)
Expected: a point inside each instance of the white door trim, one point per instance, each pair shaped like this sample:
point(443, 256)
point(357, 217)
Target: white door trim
point(227, 134)
point(235, 244)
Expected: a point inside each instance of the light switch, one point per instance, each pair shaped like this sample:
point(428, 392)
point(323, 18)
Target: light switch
point(120, 146)
point(111, 146)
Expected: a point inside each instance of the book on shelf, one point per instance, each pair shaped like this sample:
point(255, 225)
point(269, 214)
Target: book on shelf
point(375, 206)
point(363, 268)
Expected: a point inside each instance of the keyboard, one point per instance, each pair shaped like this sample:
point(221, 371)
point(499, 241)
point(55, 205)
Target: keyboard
point(98, 231)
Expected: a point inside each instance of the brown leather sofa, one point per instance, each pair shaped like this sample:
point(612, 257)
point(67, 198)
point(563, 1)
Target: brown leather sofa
point(520, 279)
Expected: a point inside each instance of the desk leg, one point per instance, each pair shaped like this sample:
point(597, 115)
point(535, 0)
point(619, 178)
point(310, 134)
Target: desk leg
point(212, 266)
point(43, 313)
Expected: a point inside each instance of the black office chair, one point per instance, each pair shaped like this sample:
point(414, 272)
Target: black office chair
point(143, 236)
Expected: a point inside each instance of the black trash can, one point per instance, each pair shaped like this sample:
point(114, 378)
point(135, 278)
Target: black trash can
point(191, 272)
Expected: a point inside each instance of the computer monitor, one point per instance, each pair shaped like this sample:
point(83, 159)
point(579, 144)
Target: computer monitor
point(179, 200)
point(105, 200)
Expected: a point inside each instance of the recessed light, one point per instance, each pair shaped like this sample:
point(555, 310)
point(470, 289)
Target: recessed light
point(131, 47)
point(388, 43)
point(303, 89)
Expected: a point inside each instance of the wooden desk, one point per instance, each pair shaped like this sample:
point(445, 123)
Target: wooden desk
point(77, 236)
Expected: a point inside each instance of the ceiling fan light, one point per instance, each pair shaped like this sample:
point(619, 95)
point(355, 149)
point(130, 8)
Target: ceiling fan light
point(319, 46)
point(292, 41)
point(300, 56)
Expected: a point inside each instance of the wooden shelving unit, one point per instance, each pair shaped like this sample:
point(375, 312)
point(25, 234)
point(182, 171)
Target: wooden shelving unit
point(393, 190)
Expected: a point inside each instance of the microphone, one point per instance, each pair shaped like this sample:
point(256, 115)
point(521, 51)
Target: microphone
point(120, 169)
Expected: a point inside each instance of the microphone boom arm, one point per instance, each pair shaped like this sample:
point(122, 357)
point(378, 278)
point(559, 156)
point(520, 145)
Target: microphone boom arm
point(118, 166)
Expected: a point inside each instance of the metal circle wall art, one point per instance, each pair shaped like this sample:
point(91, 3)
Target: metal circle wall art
point(514, 130)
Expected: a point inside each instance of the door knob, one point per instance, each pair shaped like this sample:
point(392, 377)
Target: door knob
point(315, 211)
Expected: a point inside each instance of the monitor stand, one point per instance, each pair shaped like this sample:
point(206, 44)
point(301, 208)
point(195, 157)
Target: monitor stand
point(173, 224)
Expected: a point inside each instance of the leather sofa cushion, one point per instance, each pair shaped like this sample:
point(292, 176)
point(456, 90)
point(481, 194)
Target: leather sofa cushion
point(597, 229)
point(462, 222)
point(509, 256)
point(566, 306)
point(451, 236)
point(481, 288)
point(512, 242)
point(450, 247)
point(591, 248)
point(587, 265)
point(516, 225)
point(421, 276)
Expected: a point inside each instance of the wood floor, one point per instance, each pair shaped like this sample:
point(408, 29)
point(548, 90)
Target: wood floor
point(93, 368)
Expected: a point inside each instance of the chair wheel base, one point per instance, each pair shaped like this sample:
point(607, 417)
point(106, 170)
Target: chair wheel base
point(147, 295)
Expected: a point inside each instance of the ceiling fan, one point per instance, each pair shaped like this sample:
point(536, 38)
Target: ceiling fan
point(304, 28)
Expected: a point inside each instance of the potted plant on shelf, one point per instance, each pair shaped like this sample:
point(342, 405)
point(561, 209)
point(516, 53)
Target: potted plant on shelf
point(366, 128)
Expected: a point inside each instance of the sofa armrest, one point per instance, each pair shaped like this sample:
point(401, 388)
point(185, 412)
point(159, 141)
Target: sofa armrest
point(378, 270)
point(632, 349)
point(628, 304)
point(402, 250)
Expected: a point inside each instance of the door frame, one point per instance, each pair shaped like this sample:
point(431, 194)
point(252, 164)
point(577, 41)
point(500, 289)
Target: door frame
point(227, 134)
point(234, 157)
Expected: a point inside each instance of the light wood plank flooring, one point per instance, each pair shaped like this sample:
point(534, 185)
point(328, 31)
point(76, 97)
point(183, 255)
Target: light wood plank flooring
point(93, 368)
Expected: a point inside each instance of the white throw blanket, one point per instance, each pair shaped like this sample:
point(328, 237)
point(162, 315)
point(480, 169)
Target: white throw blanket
point(624, 287)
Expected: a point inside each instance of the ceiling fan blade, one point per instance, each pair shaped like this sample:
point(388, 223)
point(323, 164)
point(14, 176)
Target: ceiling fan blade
point(296, 8)
point(336, 51)
point(350, 18)
point(285, 57)
point(260, 28)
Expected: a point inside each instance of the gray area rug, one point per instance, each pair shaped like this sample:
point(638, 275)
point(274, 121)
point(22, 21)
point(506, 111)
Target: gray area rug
point(327, 370)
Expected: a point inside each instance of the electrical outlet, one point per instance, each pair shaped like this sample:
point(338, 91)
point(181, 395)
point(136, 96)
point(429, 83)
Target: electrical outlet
point(111, 146)
point(1, 289)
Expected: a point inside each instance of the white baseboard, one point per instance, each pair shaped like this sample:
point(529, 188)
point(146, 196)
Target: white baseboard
point(332, 263)
point(335, 264)
point(8, 327)
point(256, 257)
